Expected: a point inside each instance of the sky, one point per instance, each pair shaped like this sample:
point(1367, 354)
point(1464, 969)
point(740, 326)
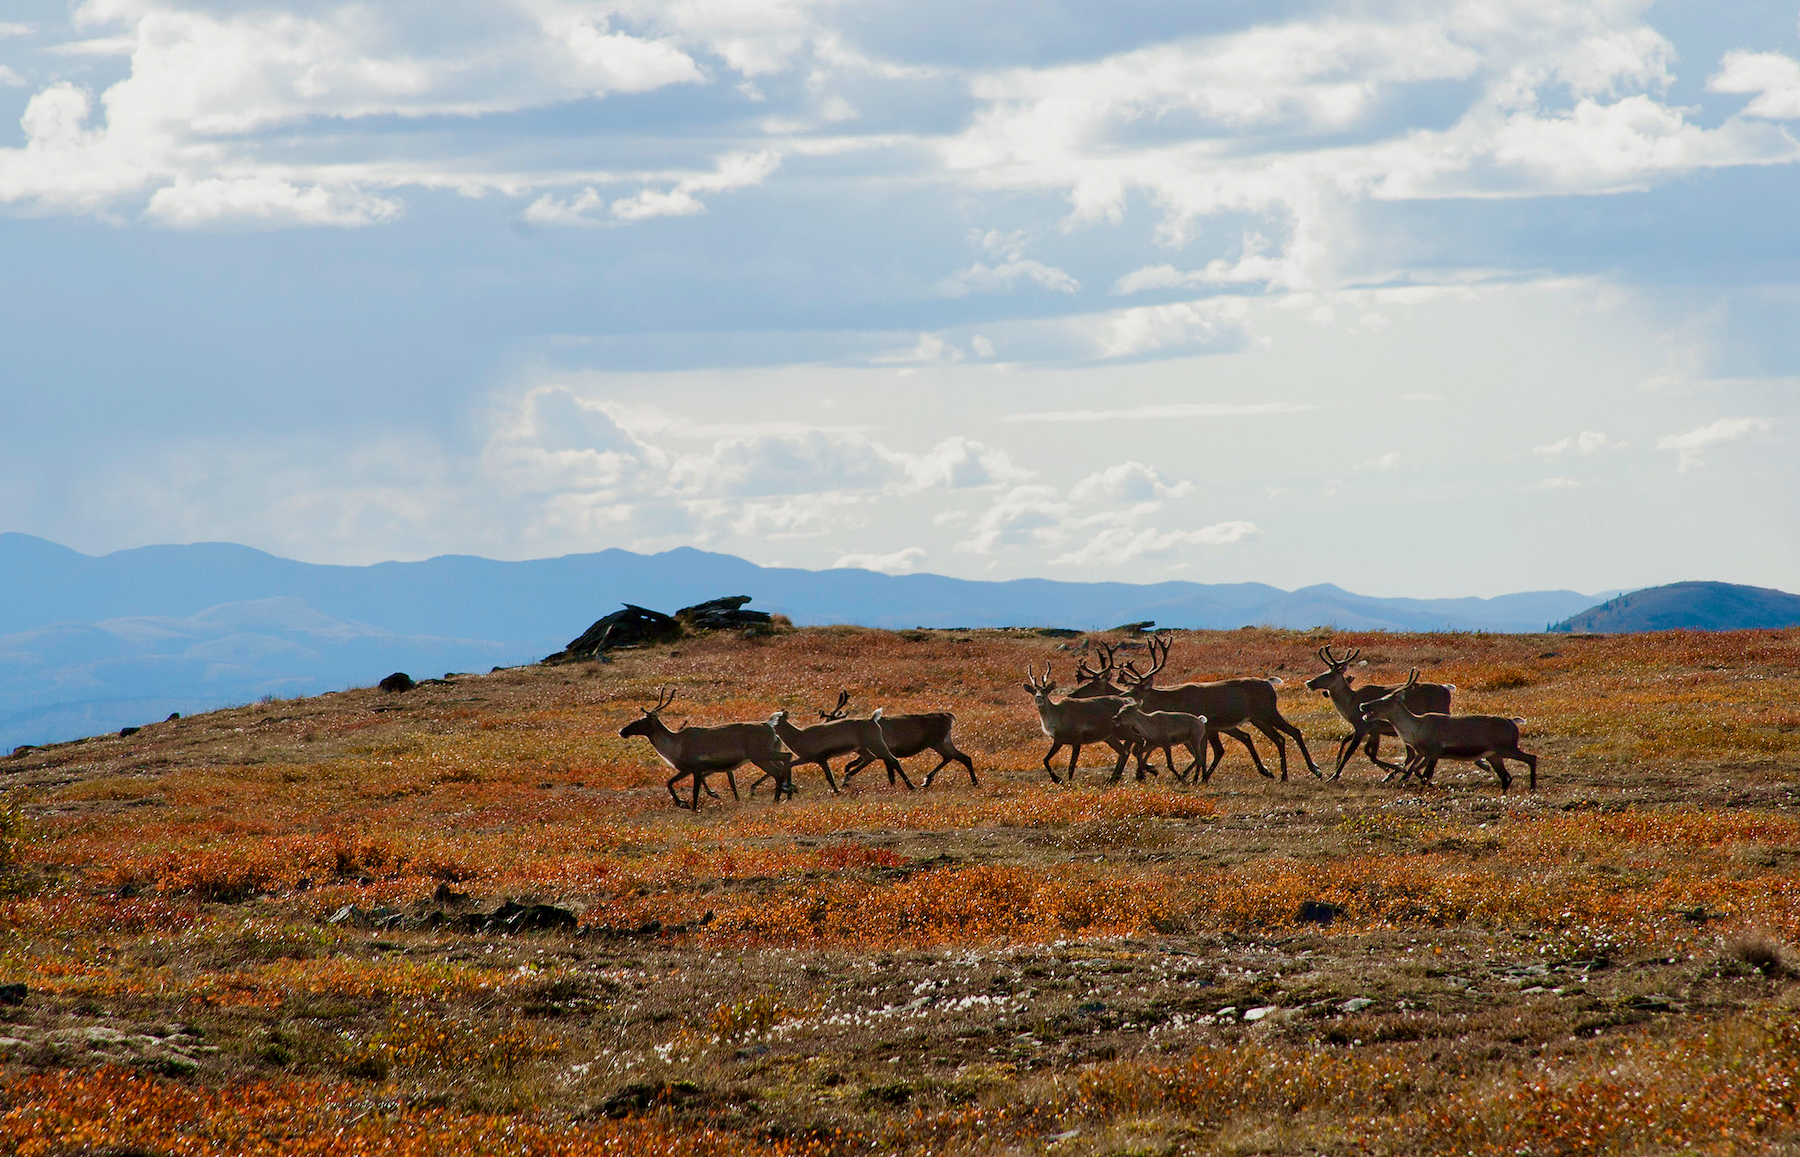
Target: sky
point(1415, 298)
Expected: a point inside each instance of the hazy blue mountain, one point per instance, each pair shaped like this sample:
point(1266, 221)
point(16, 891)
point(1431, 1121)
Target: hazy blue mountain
point(92, 644)
point(1696, 606)
point(74, 679)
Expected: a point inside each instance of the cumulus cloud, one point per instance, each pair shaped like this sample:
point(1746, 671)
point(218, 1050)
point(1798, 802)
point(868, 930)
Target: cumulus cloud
point(902, 561)
point(1773, 77)
point(1024, 515)
point(266, 201)
point(593, 463)
point(1128, 482)
point(1688, 446)
point(1253, 266)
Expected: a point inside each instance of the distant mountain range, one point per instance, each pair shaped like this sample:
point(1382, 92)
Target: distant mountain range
point(1692, 606)
point(92, 644)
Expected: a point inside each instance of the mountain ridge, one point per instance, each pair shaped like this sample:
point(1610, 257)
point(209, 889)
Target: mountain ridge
point(92, 643)
point(1693, 606)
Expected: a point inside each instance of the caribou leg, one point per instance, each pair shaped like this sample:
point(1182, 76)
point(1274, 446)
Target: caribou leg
point(1054, 748)
point(1373, 749)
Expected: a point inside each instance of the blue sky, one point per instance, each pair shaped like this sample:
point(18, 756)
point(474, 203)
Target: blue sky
point(1419, 299)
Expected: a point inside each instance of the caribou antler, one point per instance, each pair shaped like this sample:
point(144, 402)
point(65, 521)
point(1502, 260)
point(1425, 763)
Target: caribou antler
point(664, 697)
point(837, 712)
point(1086, 674)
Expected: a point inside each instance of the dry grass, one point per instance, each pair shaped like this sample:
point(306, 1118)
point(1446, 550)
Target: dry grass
point(1601, 967)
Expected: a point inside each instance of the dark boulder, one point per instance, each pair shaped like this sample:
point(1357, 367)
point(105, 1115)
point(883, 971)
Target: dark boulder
point(515, 917)
point(722, 614)
point(631, 626)
point(398, 681)
point(1317, 912)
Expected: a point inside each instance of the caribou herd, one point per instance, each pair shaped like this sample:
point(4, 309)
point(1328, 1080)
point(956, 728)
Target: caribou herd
point(1115, 705)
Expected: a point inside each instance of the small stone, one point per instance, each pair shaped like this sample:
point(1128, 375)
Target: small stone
point(1229, 1012)
point(1258, 1013)
point(1355, 1004)
point(398, 681)
point(352, 915)
point(1532, 989)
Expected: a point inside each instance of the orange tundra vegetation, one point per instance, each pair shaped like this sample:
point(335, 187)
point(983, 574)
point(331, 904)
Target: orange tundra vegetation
point(261, 929)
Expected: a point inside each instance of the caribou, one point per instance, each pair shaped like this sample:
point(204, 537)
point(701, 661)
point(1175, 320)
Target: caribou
point(1334, 684)
point(1165, 729)
point(1487, 740)
point(822, 742)
point(1226, 704)
point(1074, 721)
point(703, 751)
point(908, 735)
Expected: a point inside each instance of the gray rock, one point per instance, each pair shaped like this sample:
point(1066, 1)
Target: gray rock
point(1355, 1004)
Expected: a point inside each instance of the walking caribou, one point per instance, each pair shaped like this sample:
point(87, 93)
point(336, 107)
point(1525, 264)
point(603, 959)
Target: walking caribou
point(1165, 729)
point(906, 736)
point(1334, 684)
point(1226, 704)
point(1073, 722)
point(1489, 740)
point(822, 742)
point(704, 751)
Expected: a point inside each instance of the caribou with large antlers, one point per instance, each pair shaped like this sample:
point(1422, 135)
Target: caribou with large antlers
point(1226, 704)
point(822, 742)
point(704, 751)
point(1334, 684)
point(1489, 740)
point(906, 736)
point(1074, 722)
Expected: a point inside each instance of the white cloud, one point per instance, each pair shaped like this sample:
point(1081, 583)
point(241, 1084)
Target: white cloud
point(1387, 461)
point(10, 79)
point(1773, 77)
point(733, 171)
point(1155, 329)
point(9, 28)
point(1688, 446)
point(267, 202)
point(1001, 278)
point(898, 562)
point(206, 88)
point(1586, 442)
point(959, 463)
point(1253, 266)
point(1555, 484)
point(1252, 106)
point(1118, 545)
point(1128, 482)
point(1025, 515)
point(930, 349)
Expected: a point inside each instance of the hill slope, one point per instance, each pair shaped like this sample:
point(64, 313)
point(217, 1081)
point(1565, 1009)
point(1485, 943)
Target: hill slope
point(1694, 606)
